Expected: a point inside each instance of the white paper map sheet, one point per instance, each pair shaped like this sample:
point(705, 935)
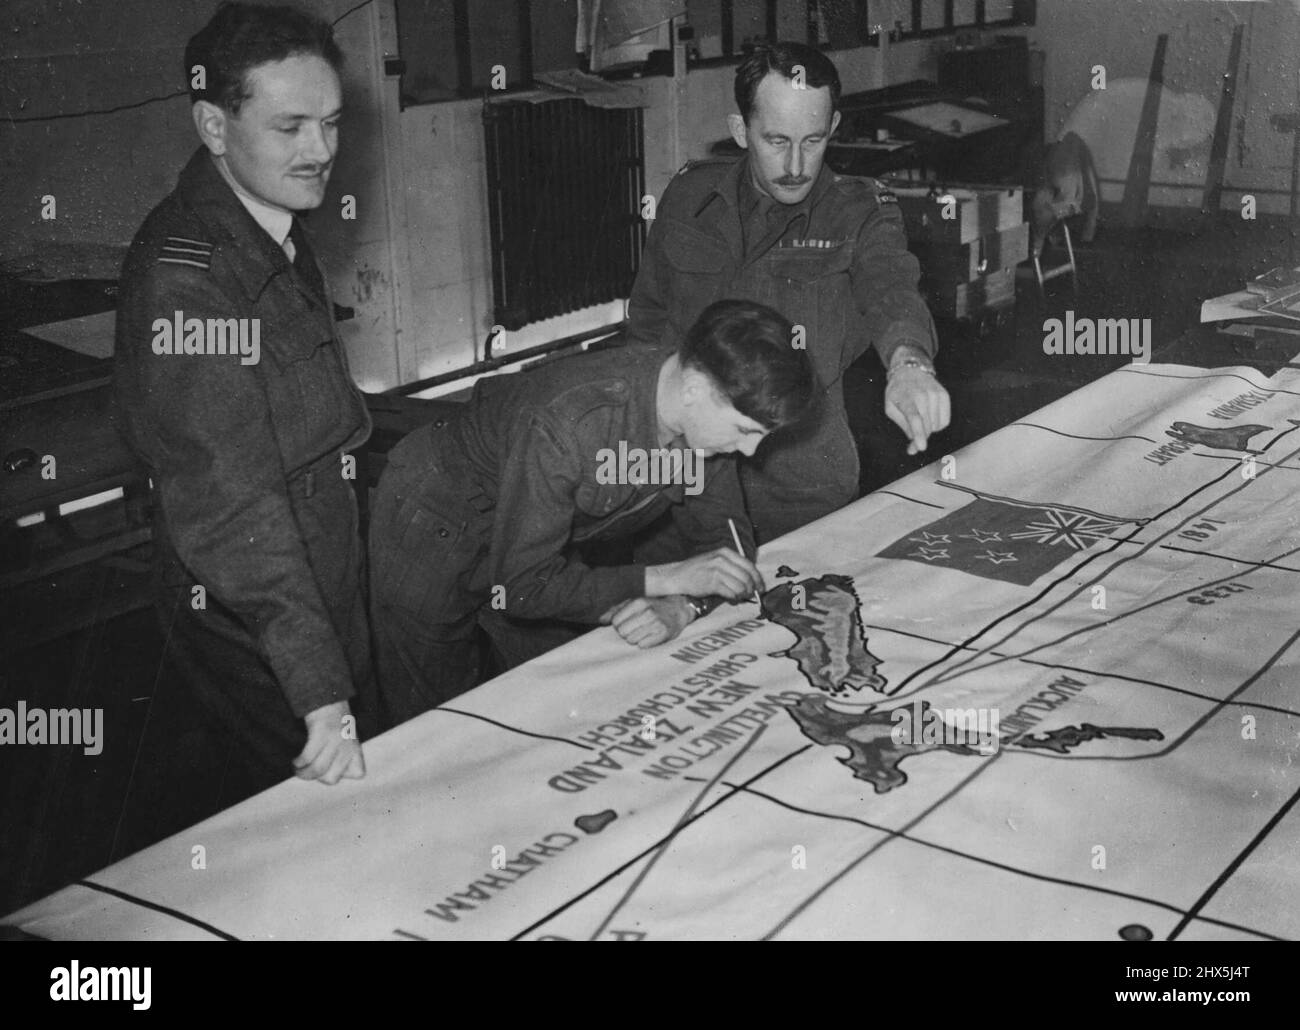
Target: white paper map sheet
point(1116, 575)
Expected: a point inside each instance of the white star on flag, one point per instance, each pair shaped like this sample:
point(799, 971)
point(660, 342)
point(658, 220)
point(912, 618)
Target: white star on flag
point(1034, 539)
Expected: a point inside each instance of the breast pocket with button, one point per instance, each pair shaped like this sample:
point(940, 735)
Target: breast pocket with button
point(309, 389)
point(700, 267)
point(427, 562)
point(812, 287)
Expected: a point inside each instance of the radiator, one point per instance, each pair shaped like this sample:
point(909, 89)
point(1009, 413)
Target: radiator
point(565, 182)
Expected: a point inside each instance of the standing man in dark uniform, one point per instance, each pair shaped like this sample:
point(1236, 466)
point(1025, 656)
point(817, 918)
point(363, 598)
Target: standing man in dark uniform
point(491, 509)
point(826, 250)
point(234, 390)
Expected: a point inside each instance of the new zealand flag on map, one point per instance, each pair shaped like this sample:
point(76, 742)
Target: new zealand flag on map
point(1010, 542)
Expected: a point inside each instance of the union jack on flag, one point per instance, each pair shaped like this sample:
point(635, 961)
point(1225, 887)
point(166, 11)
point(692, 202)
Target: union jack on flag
point(1006, 541)
point(1072, 528)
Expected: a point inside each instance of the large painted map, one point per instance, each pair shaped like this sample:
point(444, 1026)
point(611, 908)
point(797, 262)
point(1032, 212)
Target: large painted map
point(1044, 688)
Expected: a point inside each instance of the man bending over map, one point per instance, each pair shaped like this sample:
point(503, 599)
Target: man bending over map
point(488, 510)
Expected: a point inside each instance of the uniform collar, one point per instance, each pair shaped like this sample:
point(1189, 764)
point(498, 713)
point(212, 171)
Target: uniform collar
point(729, 186)
point(276, 221)
point(738, 183)
point(647, 424)
point(255, 257)
point(645, 430)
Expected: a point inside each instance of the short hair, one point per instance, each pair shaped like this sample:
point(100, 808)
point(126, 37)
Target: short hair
point(750, 354)
point(240, 37)
point(818, 71)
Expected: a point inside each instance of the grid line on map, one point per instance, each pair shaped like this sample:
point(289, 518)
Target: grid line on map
point(166, 910)
point(681, 821)
point(1076, 436)
point(1038, 616)
point(513, 729)
point(925, 813)
point(912, 499)
point(560, 909)
point(1232, 867)
point(875, 627)
point(1228, 557)
point(1237, 460)
point(958, 672)
point(1213, 375)
point(1043, 877)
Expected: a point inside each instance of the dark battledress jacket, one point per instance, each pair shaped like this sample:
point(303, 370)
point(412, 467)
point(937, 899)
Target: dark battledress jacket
point(246, 460)
point(835, 264)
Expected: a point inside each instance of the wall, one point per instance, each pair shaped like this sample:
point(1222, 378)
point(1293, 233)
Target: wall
point(107, 171)
point(443, 256)
point(705, 99)
point(1121, 36)
point(448, 275)
point(415, 263)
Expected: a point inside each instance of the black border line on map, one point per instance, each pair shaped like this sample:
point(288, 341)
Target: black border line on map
point(1018, 503)
point(1228, 557)
point(513, 729)
point(1227, 873)
point(1215, 709)
point(663, 848)
point(1091, 672)
point(1095, 555)
point(956, 852)
point(953, 650)
point(1129, 538)
point(164, 909)
point(1099, 624)
point(938, 803)
point(1192, 913)
point(979, 770)
point(560, 909)
point(957, 649)
point(990, 763)
point(1210, 698)
point(969, 643)
point(912, 499)
point(1236, 459)
point(1213, 375)
point(1076, 436)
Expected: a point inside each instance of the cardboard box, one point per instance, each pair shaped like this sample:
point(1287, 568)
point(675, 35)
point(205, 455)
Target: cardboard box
point(971, 299)
point(968, 261)
point(950, 215)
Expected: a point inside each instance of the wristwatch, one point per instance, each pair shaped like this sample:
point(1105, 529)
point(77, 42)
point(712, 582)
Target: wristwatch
point(910, 362)
point(701, 606)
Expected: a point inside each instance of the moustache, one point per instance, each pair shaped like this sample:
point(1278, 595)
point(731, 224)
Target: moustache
point(786, 180)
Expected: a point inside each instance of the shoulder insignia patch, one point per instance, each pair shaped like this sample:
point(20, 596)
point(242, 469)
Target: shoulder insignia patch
point(712, 159)
point(180, 250)
point(584, 398)
point(884, 195)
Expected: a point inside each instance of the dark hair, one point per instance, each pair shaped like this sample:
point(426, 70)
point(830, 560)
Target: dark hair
point(818, 71)
point(242, 36)
point(750, 353)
